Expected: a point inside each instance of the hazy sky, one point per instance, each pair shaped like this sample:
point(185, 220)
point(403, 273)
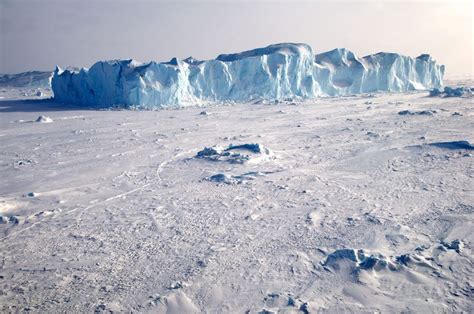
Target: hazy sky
point(38, 34)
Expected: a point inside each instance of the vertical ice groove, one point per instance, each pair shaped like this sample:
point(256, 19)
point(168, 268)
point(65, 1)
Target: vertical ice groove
point(277, 71)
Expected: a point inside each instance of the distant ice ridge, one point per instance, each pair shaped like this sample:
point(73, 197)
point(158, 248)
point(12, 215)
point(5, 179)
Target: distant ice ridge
point(275, 72)
point(32, 79)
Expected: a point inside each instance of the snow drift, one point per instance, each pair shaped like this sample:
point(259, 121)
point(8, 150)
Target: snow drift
point(275, 72)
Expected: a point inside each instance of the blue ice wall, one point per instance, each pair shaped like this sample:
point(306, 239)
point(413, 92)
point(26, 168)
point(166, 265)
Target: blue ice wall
point(274, 72)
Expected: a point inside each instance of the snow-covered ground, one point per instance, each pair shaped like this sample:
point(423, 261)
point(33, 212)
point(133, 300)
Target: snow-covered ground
point(127, 210)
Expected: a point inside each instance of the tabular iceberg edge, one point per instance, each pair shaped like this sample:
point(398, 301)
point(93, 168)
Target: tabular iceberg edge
point(278, 71)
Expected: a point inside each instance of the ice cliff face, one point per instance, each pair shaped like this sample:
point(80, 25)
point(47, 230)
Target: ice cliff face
point(274, 72)
point(341, 72)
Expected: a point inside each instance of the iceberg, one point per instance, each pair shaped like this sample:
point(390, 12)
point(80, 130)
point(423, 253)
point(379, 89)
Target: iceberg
point(32, 79)
point(275, 72)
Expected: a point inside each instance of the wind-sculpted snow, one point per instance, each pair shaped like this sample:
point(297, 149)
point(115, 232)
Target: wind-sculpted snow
point(275, 72)
point(340, 205)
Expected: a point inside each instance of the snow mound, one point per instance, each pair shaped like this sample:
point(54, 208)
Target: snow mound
point(44, 119)
point(236, 154)
point(456, 245)
point(417, 113)
point(276, 72)
point(360, 259)
point(423, 259)
point(453, 145)
point(176, 302)
point(283, 303)
point(461, 91)
point(224, 178)
point(234, 179)
point(16, 220)
point(444, 146)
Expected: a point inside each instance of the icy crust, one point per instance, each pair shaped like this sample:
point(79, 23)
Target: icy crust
point(275, 72)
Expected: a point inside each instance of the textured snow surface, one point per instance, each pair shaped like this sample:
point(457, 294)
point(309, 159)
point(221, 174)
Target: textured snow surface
point(272, 73)
point(337, 205)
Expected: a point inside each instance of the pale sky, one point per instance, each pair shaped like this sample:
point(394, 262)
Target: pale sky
point(39, 34)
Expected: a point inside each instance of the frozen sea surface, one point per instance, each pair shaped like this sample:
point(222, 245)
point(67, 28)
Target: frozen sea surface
point(346, 205)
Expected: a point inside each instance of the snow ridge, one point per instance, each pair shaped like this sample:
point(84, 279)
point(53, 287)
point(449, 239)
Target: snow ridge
point(278, 71)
